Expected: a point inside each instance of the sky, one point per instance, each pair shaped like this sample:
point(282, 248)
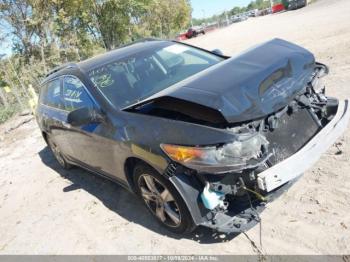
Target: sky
point(207, 8)
point(5, 48)
point(5, 45)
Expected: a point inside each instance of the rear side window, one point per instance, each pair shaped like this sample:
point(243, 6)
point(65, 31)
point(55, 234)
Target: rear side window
point(51, 94)
point(74, 94)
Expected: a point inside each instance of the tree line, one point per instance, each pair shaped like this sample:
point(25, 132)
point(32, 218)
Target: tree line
point(46, 33)
point(255, 4)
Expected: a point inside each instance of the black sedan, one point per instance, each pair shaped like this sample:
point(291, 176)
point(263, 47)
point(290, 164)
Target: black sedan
point(202, 138)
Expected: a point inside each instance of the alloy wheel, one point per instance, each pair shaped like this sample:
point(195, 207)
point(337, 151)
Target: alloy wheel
point(159, 200)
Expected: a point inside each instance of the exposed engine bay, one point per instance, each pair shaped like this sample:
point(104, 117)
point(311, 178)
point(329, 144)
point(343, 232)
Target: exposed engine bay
point(257, 122)
point(234, 198)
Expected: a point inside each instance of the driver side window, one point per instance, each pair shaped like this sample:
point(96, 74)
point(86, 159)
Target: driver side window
point(74, 94)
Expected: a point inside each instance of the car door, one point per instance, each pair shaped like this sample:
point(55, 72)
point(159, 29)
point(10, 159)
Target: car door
point(89, 145)
point(52, 114)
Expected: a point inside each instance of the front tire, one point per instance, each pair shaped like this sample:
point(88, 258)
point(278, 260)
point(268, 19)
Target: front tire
point(162, 200)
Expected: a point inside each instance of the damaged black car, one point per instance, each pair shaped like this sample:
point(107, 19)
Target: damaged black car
point(204, 139)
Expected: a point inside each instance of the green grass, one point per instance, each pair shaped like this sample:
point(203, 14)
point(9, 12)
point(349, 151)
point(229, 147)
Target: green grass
point(7, 113)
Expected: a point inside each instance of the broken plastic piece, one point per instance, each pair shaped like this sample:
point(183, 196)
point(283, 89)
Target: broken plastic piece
point(211, 199)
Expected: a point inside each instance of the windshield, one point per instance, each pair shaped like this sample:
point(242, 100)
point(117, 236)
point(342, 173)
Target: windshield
point(142, 74)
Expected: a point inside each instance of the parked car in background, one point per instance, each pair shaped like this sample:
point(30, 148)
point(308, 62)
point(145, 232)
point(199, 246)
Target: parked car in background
point(238, 18)
point(263, 12)
point(252, 13)
point(195, 31)
point(202, 138)
point(277, 6)
point(295, 4)
point(181, 36)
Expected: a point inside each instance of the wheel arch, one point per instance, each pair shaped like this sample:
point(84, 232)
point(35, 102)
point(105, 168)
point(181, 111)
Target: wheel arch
point(129, 165)
point(188, 187)
point(44, 134)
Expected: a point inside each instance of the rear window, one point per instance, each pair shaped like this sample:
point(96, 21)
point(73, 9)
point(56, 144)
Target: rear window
point(51, 94)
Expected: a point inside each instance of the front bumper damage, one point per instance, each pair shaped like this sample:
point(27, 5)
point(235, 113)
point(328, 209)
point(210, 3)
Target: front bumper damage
point(243, 211)
point(241, 216)
point(307, 156)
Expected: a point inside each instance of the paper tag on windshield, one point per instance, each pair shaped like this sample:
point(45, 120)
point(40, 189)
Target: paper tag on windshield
point(176, 49)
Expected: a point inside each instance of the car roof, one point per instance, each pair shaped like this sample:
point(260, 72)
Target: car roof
point(110, 56)
point(121, 52)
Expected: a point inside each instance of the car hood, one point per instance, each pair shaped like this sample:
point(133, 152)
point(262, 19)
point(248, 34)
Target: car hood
point(254, 84)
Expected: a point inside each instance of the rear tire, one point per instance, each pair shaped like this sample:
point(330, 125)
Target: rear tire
point(58, 154)
point(162, 200)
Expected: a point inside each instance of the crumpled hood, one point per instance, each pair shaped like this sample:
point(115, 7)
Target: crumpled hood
point(252, 85)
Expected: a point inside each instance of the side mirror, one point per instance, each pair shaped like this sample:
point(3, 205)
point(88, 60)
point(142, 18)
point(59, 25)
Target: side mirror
point(84, 115)
point(217, 51)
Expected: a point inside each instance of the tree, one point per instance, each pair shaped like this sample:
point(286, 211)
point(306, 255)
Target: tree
point(17, 15)
point(44, 34)
point(165, 18)
point(114, 20)
point(258, 4)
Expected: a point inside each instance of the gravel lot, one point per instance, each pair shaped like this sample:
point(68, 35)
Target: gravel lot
point(46, 210)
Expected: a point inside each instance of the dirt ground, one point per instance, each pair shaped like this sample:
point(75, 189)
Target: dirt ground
point(46, 210)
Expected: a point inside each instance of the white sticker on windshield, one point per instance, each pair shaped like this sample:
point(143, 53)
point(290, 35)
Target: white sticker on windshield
point(176, 49)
